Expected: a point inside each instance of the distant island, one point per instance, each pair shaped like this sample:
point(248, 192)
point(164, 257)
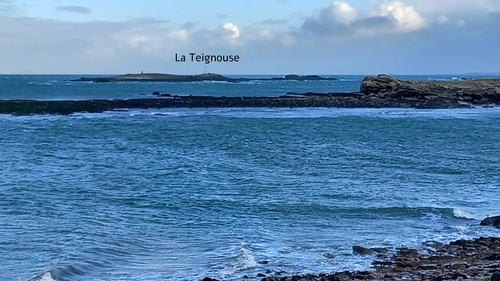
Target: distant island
point(160, 77)
point(380, 91)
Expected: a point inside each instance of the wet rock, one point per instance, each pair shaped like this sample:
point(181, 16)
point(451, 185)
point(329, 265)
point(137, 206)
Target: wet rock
point(494, 257)
point(474, 260)
point(209, 279)
point(362, 250)
point(494, 221)
point(380, 250)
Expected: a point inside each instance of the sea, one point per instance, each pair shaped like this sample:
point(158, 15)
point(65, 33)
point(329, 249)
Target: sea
point(179, 194)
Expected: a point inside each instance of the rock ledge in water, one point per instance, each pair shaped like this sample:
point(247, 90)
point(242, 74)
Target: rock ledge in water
point(494, 221)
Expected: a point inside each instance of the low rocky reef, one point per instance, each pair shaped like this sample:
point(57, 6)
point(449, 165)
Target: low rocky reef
point(375, 92)
point(157, 77)
point(474, 260)
point(386, 90)
point(160, 77)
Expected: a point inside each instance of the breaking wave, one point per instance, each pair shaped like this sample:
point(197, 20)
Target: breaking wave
point(59, 274)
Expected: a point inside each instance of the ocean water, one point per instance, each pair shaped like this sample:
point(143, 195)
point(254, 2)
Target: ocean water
point(180, 194)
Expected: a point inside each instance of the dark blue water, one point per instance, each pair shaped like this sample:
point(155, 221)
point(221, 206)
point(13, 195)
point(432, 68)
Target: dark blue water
point(180, 194)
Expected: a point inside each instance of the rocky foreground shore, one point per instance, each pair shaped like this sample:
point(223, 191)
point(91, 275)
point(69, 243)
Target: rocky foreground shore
point(375, 92)
point(474, 260)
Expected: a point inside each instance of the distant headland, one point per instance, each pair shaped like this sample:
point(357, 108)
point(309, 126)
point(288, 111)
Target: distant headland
point(160, 77)
point(380, 91)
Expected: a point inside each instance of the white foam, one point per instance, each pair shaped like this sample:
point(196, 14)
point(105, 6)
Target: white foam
point(244, 260)
point(463, 214)
point(47, 276)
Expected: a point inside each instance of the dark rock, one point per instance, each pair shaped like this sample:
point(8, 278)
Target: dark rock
point(494, 221)
point(494, 257)
point(209, 279)
point(380, 250)
point(455, 262)
point(156, 93)
point(362, 250)
point(431, 94)
point(329, 256)
point(304, 78)
point(263, 262)
point(261, 275)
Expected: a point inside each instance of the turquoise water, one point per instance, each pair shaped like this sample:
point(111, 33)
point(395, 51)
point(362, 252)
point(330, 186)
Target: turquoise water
point(180, 194)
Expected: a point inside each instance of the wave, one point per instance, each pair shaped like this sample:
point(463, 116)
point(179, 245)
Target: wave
point(419, 211)
point(378, 212)
point(244, 260)
point(59, 274)
point(463, 214)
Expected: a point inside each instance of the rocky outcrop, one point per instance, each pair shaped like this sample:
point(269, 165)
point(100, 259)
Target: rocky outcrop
point(379, 84)
point(494, 221)
point(474, 260)
point(432, 94)
point(304, 78)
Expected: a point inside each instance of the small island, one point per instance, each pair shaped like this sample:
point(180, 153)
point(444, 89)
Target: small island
point(160, 77)
point(380, 91)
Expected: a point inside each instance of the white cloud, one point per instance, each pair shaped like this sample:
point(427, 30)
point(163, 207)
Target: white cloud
point(342, 20)
point(178, 34)
point(340, 32)
point(450, 7)
point(407, 18)
point(232, 30)
point(338, 13)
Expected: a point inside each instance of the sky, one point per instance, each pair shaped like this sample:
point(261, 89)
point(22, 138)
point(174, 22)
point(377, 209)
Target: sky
point(269, 36)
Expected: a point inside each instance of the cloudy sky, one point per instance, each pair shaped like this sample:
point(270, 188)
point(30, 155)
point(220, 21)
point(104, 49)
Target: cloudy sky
point(270, 36)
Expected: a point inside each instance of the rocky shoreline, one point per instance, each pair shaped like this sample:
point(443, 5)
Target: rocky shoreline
point(474, 260)
point(375, 92)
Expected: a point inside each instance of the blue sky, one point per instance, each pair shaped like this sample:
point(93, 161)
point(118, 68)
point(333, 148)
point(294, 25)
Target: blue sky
point(271, 37)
